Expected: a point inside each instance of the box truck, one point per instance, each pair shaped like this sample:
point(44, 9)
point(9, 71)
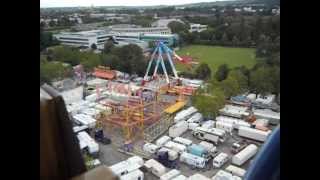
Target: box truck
point(87, 142)
point(184, 114)
point(178, 129)
point(161, 141)
point(193, 160)
point(198, 151)
point(254, 134)
point(212, 149)
point(244, 155)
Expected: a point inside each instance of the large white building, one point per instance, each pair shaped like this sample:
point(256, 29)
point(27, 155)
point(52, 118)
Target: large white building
point(145, 30)
point(84, 38)
point(197, 27)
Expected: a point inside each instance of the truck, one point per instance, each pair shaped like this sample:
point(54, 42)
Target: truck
point(196, 118)
point(172, 155)
point(88, 143)
point(238, 146)
point(212, 150)
point(220, 160)
point(170, 175)
point(124, 167)
point(192, 126)
point(234, 111)
point(208, 124)
point(193, 160)
point(244, 155)
point(134, 175)
point(213, 135)
point(236, 170)
point(228, 127)
point(184, 114)
point(163, 140)
point(223, 175)
point(183, 141)
point(84, 119)
point(198, 151)
point(176, 147)
point(155, 167)
point(178, 129)
point(198, 177)
point(235, 121)
point(254, 134)
point(150, 148)
point(164, 158)
point(180, 177)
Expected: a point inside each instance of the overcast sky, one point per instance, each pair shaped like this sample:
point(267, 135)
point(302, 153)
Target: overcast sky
point(74, 3)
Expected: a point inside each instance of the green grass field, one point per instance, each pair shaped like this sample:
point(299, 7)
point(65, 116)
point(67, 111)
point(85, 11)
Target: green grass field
point(217, 55)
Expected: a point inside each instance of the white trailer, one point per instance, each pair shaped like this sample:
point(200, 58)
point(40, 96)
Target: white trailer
point(208, 124)
point(161, 141)
point(77, 129)
point(223, 175)
point(228, 127)
point(193, 160)
point(134, 175)
point(178, 129)
point(86, 141)
point(261, 122)
point(198, 177)
point(273, 117)
point(84, 119)
point(214, 135)
point(184, 114)
point(176, 147)
point(124, 167)
point(183, 141)
point(196, 118)
point(173, 155)
point(155, 167)
point(170, 175)
point(150, 148)
point(254, 134)
point(235, 121)
point(180, 177)
point(220, 160)
point(236, 170)
point(234, 111)
point(212, 149)
point(136, 159)
point(244, 155)
point(193, 126)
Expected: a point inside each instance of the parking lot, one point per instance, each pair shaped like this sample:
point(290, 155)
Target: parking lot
point(109, 155)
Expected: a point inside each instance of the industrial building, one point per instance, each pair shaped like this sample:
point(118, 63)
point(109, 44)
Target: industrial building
point(84, 38)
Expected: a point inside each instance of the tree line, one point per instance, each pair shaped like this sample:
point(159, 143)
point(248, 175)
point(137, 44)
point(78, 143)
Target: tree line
point(240, 31)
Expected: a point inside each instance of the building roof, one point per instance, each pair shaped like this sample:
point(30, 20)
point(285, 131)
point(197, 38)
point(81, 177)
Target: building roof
point(102, 73)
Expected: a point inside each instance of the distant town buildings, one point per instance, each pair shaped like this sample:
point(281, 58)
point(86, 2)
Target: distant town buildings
point(197, 27)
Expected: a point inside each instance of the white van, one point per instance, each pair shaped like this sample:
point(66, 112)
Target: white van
point(150, 148)
point(134, 175)
point(220, 160)
point(155, 167)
